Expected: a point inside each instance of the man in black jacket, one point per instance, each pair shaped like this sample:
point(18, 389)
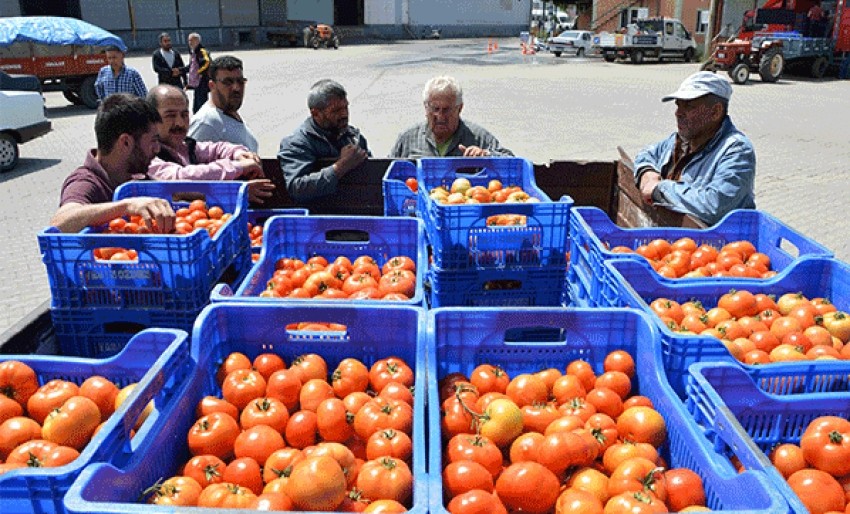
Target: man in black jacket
point(168, 64)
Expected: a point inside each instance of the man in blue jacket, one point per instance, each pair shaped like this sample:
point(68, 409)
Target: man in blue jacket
point(708, 167)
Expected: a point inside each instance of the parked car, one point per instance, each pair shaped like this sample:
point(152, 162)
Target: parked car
point(21, 115)
point(577, 42)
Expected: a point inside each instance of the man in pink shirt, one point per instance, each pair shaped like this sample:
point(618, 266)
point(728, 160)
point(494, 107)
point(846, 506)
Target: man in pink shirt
point(182, 158)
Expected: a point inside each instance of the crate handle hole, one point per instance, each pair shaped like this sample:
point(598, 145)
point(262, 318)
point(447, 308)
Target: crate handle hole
point(316, 328)
point(502, 285)
point(507, 220)
point(187, 196)
point(350, 236)
point(471, 170)
point(789, 248)
point(123, 327)
point(538, 335)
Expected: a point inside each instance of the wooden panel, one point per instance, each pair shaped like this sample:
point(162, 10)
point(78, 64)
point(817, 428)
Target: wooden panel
point(587, 183)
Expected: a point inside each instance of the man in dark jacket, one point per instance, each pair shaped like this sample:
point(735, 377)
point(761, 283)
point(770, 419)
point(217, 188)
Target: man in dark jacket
point(199, 77)
point(326, 134)
point(168, 64)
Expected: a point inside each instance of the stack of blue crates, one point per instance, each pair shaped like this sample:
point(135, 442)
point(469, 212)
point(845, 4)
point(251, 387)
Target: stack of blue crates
point(478, 263)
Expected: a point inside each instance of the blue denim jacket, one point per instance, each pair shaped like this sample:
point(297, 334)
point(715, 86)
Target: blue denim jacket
point(719, 178)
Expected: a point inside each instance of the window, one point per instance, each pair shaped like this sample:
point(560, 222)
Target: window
point(702, 21)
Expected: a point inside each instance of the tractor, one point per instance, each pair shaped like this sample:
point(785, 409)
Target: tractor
point(325, 36)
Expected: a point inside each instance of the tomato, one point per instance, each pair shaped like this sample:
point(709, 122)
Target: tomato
point(350, 376)
point(341, 454)
point(245, 472)
point(179, 491)
point(258, 442)
point(390, 369)
point(333, 421)
point(620, 360)
point(634, 503)
point(302, 429)
point(638, 474)
point(268, 363)
point(561, 450)
point(265, 411)
point(617, 381)
point(389, 443)
point(397, 391)
point(354, 401)
point(527, 389)
point(581, 408)
point(525, 447)
point(818, 490)
point(379, 414)
point(385, 507)
point(476, 448)
point(584, 372)
point(72, 424)
point(205, 469)
point(316, 483)
point(488, 378)
point(536, 417)
point(399, 263)
point(272, 502)
point(313, 392)
point(568, 387)
point(642, 425)
point(241, 386)
point(102, 392)
point(592, 481)
point(310, 366)
point(528, 486)
point(476, 501)
point(620, 452)
point(605, 400)
point(398, 281)
point(576, 501)
point(213, 434)
point(462, 476)
point(234, 361)
point(666, 308)
point(9, 408)
point(822, 306)
point(501, 422)
point(549, 376)
point(826, 445)
point(684, 489)
point(279, 464)
point(389, 478)
point(285, 385)
point(226, 496)
point(838, 324)
point(50, 396)
point(789, 301)
point(637, 401)
point(604, 430)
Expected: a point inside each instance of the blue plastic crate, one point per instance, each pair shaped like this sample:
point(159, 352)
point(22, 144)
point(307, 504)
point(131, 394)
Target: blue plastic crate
point(260, 216)
point(592, 233)
point(399, 200)
point(172, 271)
point(814, 277)
point(529, 340)
point(459, 233)
point(520, 287)
point(156, 359)
point(741, 420)
point(372, 333)
point(332, 236)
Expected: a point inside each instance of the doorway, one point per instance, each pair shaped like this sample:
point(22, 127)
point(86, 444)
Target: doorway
point(348, 12)
point(69, 9)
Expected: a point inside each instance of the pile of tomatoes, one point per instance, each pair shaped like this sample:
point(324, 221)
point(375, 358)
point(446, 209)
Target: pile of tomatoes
point(48, 425)
point(683, 258)
point(818, 469)
point(563, 442)
point(462, 191)
point(290, 438)
point(196, 215)
point(362, 279)
point(758, 329)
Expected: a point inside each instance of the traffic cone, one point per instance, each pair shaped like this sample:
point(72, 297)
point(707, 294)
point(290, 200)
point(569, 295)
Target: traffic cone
point(495, 45)
point(489, 47)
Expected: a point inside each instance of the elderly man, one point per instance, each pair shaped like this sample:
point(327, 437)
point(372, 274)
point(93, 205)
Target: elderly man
point(219, 119)
point(326, 134)
point(182, 158)
point(708, 167)
point(168, 64)
point(115, 77)
point(199, 77)
point(126, 131)
point(443, 133)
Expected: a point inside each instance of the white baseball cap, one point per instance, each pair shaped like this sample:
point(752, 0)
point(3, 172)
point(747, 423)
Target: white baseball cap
point(700, 84)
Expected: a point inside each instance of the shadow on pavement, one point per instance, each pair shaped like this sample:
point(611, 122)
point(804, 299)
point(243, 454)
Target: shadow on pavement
point(66, 111)
point(26, 166)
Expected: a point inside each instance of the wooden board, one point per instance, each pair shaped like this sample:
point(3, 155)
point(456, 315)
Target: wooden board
point(589, 184)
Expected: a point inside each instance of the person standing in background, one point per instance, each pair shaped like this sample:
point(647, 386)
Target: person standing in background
point(199, 77)
point(168, 64)
point(115, 77)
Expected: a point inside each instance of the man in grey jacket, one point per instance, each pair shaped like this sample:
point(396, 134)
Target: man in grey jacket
point(443, 133)
point(326, 134)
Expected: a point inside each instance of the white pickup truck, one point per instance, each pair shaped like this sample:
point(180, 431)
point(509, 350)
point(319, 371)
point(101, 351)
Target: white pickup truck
point(656, 38)
point(21, 116)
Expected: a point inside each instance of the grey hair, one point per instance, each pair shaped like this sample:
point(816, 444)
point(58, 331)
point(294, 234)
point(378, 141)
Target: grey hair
point(159, 92)
point(323, 91)
point(164, 35)
point(443, 85)
point(195, 35)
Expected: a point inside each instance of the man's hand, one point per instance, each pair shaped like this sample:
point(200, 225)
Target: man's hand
point(250, 168)
point(152, 210)
point(473, 151)
point(350, 157)
point(248, 155)
point(259, 190)
point(175, 72)
point(648, 182)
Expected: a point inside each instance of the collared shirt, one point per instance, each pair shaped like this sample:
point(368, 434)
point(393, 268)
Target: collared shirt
point(718, 178)
point(128, 80)
point(88, 184)
point(213, 161)
point(211, 124)
point(418, 141)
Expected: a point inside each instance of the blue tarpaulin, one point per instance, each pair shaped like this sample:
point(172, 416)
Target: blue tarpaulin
point(55, 30)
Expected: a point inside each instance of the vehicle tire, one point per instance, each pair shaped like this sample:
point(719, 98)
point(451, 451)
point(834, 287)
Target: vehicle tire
point(708, 66)
point(336, 43)
point(8, 152)
point(771, 65)
point(557, 54)
point(740, 73)
point(819, 66)
point(609, 57)
point(314, 43)
point(72, 96)
point(637, 56)
point(580, 52)
point(88, 94)
point(689, 55)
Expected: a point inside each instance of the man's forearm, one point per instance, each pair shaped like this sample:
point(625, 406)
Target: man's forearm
point(73, 217)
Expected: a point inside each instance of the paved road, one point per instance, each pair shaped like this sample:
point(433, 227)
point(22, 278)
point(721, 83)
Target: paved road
point(541, 107)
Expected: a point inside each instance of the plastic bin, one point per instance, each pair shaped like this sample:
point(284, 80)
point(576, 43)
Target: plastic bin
point(373, 333)
point(740, 419)
point(592, 233)
point(459, 233)
point(522, 287)
point(590, 228)
point(528, 340)
point(814, 277)
point(172, 272)
point(332, 236)
point(399, 200)
point(156, 359)
point(260, 216)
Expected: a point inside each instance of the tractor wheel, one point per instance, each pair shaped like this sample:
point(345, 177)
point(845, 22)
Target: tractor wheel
point(336, 43)
point(72, 96)
point(740, 73)
point(314, 43)
point(557, 54)
point(88, 94)
point(771, 65)
point(609, 57)
point(8, 152)
point(580, 52)
point(689, 55)
point(819, 66)
point(637, 56)
point(708, 66)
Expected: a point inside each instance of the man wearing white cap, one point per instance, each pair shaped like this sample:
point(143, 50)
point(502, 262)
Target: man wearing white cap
point(707, 168)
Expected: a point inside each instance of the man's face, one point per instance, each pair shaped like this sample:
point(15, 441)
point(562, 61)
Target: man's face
point(193, 42)
point(334, 117)
point(694, 118)
point(115, 59)
point(174, 111)
point(443, 115)
point(165, 43)
point(228, 90)
point(143, 151)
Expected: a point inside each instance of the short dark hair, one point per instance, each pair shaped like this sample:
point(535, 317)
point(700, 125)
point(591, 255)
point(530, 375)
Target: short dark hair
point(113, 48)
point(323, 91)
point(122, 113)
point(225, 62)
point(715, 99)
point(163, 36)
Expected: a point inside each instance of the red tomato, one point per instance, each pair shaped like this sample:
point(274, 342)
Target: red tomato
point(258, 442)
point(826, 445)
point(387, 479)
point(462, 476)
point(528, 486)
point(50, 396)
point(642, 425)
point(316, 483)
point(391, 369)
point(476, 501)
point(245, 472)
point(265, 411)
point(475, 448)
point(227, 496)
point(213, 434)
point(818, 490)
point(684, 489)
point(179, 491)
point(487, 378)
point(243, 385)
point(205, 469)
point(285, 385)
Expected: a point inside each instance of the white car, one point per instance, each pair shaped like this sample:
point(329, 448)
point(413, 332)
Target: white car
point(577, 42)
point(21, 116)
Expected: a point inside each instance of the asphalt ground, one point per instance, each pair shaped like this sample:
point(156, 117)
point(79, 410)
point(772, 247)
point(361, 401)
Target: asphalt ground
point(543, 108)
